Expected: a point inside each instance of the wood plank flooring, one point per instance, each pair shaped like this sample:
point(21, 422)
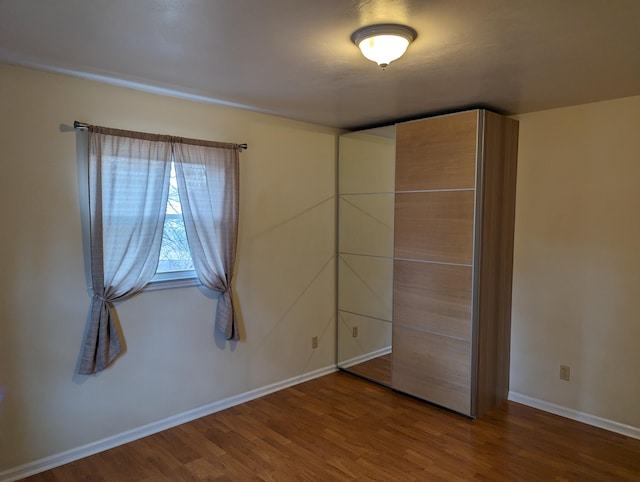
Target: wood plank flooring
point(342, 428)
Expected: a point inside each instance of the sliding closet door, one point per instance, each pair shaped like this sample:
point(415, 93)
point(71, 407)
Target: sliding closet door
point(433, 259)
point(365, 252)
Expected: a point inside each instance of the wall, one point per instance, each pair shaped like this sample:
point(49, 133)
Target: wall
point(285, 282)
point(577, 259)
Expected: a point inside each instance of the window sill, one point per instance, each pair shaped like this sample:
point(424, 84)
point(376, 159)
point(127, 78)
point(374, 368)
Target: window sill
point(183, 279)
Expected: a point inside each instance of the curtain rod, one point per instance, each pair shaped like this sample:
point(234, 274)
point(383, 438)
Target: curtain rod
point(85, 126)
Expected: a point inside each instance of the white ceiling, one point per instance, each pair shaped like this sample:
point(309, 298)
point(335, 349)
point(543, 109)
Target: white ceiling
point(294, 58)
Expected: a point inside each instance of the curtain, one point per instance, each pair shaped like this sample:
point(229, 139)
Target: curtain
point(208, 180)
point(128, 189)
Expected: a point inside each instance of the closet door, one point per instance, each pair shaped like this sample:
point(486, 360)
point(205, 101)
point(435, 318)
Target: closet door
point(365, 252)
point(435, 216)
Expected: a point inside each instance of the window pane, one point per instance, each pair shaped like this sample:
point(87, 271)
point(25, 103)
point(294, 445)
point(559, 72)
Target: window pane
point(174, 252)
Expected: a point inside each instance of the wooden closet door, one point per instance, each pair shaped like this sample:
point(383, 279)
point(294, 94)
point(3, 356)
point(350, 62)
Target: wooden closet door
point(433, 297)
point(437, 153)
point(433, 256)
point(432, 367)
point(435, 226)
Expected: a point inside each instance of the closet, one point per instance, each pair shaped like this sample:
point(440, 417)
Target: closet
point(425, 249)
point(453, 249)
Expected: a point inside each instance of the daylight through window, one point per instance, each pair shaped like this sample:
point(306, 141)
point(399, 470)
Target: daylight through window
point(174, 251)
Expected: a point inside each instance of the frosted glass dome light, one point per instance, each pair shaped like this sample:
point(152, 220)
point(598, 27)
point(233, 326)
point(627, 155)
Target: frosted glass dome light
point(383, 43)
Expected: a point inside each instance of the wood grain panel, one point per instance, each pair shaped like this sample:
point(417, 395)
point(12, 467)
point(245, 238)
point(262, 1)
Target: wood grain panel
point(435, 226)
point(433, 297)
point(496, 260)
point(437, 153)
point(432, 367)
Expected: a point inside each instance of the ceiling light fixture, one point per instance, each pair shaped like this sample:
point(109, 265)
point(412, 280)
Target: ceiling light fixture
point(383, 43)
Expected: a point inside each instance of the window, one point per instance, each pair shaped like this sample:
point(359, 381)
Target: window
point(175, 260)
point(137, 236)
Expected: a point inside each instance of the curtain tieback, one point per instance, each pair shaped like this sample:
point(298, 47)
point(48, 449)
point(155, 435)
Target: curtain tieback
point(101, 298)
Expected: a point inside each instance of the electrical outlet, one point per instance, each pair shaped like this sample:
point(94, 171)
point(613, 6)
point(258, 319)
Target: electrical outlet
point(354, 332)
point(314, 342)
point(565, 372)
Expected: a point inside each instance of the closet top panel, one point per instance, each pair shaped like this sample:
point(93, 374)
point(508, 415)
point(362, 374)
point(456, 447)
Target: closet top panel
point(437, 152)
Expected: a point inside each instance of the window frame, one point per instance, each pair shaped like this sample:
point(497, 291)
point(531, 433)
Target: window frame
point(173, 279)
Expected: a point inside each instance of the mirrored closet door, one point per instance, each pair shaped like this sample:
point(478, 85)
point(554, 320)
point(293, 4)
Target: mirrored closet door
point(365, 252)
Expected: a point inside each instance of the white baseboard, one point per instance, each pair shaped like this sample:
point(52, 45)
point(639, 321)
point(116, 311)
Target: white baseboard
point(366, 357)
point(92, 448)
point(604, 423)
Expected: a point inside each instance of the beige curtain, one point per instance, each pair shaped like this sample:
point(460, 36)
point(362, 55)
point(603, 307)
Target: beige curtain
point(208, 185)
point(129, 176)
point(128, 189)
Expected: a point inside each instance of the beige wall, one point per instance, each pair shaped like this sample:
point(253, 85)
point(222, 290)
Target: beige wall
point(285, 269)
point(576, 287)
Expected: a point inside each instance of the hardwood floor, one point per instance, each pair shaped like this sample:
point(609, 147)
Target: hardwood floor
point(340, 427)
